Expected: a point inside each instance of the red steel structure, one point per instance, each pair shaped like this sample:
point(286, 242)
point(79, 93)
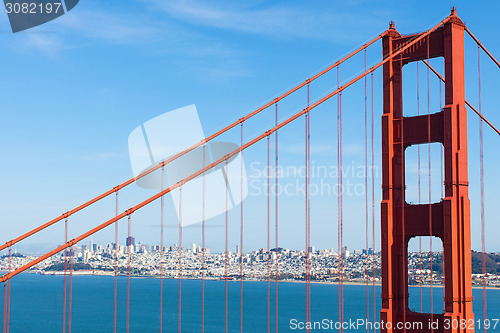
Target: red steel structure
point(448, 219)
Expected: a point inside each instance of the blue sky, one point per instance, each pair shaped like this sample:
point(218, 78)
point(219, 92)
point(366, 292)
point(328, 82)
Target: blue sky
point(73, 89)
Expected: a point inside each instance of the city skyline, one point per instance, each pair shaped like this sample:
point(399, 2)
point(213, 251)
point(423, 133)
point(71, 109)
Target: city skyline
point(89, 143)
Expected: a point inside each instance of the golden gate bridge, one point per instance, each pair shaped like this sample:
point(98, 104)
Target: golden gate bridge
point(448, 219)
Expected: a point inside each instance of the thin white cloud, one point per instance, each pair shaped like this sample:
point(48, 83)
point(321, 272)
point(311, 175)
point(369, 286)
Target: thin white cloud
point(110, 27)
point(48, 44)
point(290, 21)
point(207, 56)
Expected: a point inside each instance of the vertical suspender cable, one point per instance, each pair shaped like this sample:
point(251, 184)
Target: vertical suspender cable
point(65, 274)
point(5, 307)
point(226, 252)
point(115, 308)
point(341, 214)
point(441, 149)
point(306, 229)
point(366, 204)
point(339, 200)
point(429, 175)
point(373, 205)
point(276, 220)
point(8, 290)
point(403, 202)
point(441, 185)
point(481, 175)
point(241, 229)
point(203, 245)
point(129, 252)
point(419, 194)
point(308, 226)
point(162, 207)
point(179, 296)
point(70, 298)
point(268, 234)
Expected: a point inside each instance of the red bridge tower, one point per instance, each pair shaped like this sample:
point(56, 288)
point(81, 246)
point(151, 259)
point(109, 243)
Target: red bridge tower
point(448, 219)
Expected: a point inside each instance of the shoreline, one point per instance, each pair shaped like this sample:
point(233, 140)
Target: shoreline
point(354, 283)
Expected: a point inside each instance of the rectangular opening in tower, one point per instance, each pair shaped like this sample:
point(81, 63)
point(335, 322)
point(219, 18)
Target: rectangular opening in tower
point(418, 180)
point(422, 95)
point(420, 277)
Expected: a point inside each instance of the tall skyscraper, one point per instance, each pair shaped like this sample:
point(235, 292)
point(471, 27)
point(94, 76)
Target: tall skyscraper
point(130, 241)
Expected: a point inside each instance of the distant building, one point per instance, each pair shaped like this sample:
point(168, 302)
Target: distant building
point(130, 241)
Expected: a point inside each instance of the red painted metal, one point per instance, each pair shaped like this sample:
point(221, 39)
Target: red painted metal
point(162, 222)
point(203, 245)
point(450, 217)
point(70, 292)
point(276, 221)
point(466, 102)
point(241, 229)
point(179, 296)
point(482, 46)
point(367, 262)
point(374, 288)
point(339, 204)
point(129, 250)
point(307, 215)
point(65, 275)
point(115, 307)
point(226, 253)
point(268, 234)
point(5, 307)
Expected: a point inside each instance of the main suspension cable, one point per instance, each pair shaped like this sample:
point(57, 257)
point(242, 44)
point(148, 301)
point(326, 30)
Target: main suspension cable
point(466, 102)
point(482, 46)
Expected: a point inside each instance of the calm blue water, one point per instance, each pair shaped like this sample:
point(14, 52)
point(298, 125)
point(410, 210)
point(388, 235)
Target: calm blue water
point(36, 304)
